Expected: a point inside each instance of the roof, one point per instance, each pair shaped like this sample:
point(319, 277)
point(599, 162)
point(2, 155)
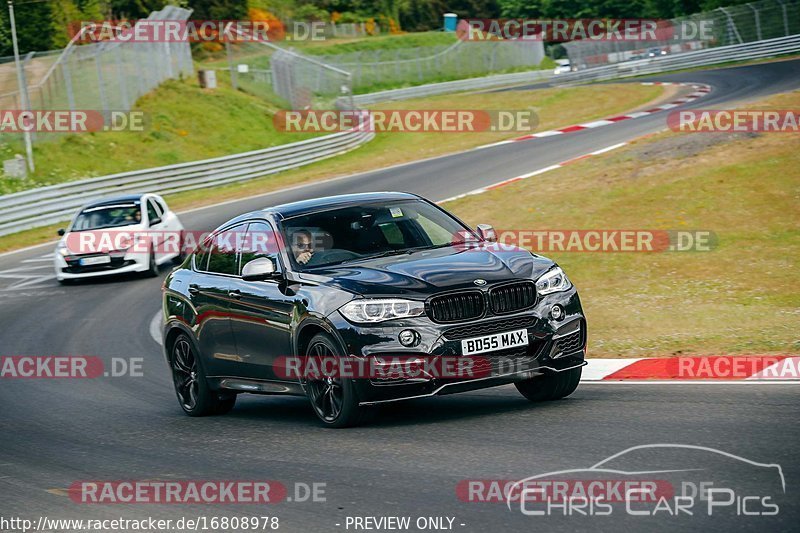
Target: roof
point(304, 207)
point(343, 200)
point(115, 200)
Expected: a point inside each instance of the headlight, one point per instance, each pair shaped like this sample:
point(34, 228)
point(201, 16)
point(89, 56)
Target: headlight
point(61, 248)
point(553, 281)
point(371, 311)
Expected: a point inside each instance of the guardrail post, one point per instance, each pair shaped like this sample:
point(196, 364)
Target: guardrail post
point(732, 30)
point(101, 84)
point(231, 67)
point(785, 18)
point(68, 82)
point(757, 20)
point(123, 86)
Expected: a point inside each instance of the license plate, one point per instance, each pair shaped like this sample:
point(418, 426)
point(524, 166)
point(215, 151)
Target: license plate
point(99, 260)
point(498, 341)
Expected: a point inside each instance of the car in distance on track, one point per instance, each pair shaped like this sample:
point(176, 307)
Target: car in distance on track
point(562, 66)
point(370, 277)
point(131, 233)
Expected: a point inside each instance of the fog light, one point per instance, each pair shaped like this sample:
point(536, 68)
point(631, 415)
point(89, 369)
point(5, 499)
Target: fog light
point(557, 312)
point(408, 337)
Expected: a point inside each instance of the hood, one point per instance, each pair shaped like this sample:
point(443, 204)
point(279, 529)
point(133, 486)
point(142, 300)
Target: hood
point(430, 271)
point(102, 240)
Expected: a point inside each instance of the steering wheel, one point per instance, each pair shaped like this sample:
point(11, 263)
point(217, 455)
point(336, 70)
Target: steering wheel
point(332, 256)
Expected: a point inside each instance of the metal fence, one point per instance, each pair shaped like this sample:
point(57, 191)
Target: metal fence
point(48, 205)
point(384, 68)
point(724, 26)
point(105, 76)
point(315, 81)
point(292, 79)
point(469, 84)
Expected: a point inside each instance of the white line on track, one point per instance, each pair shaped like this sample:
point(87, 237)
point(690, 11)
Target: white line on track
point(155, 327)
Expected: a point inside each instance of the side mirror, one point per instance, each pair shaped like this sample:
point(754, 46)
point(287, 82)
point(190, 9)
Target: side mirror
point(155, 221)
point(486, 232)
point(61, 232)
point(260, 269)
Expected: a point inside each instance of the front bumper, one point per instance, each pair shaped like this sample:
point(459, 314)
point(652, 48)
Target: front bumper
point(120, 263)
point(555, 345)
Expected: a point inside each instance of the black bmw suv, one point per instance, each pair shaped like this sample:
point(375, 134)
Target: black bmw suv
point(413, 300)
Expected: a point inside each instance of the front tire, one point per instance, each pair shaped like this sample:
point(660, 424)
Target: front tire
point(550, 386)
point(178, 259)
point(152, 266)
point(333, 399)
point(194, 395)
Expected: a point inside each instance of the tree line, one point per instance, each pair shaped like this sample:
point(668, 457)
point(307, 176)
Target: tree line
point(43, 25)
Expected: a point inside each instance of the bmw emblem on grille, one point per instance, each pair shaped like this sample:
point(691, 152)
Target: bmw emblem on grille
point(479, 282)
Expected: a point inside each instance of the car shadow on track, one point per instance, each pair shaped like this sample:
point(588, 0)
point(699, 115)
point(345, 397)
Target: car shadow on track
point(466, 406)
point(113, 278)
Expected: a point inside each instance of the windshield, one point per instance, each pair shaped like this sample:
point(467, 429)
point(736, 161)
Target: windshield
point(108, 216)
point(355, 233)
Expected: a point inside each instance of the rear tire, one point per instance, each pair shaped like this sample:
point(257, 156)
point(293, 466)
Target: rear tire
point(550, 386)
point(194, 395)
point(334, 400)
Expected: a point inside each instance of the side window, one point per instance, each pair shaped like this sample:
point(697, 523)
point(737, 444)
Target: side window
point(393, 234)
point(201, 255)
point(223, 252)
point(152, 213)
point(436, 233)
point(259, 241)
point(161, 206)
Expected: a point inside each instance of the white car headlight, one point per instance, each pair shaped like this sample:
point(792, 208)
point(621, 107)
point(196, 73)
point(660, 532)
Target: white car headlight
point(62, 249)
point(370, 311)
point(553, 281)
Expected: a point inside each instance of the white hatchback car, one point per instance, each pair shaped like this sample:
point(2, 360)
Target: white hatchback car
point(132, 233)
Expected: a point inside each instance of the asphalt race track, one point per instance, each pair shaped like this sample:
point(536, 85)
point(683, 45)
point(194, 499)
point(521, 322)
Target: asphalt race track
point(408, 462)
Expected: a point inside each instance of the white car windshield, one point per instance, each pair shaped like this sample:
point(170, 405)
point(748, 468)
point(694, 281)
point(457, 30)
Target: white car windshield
point(108, 216)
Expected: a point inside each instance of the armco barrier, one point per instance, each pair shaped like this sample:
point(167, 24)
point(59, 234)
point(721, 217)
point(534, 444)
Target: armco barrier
point(698, 58)
point(655, 65)
point(48, 205)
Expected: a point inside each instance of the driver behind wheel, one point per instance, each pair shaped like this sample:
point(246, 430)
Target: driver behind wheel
point(303, 246)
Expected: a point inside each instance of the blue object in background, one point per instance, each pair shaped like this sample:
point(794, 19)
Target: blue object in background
point(450, 21)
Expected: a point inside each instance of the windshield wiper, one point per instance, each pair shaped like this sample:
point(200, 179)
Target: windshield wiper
point(387, 253)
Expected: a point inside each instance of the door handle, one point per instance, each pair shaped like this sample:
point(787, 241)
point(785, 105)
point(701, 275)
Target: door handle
point(194, 289)
point(236, 293)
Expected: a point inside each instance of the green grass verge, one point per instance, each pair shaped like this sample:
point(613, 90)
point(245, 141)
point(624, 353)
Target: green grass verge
point(740, 298)
point(182, 123)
